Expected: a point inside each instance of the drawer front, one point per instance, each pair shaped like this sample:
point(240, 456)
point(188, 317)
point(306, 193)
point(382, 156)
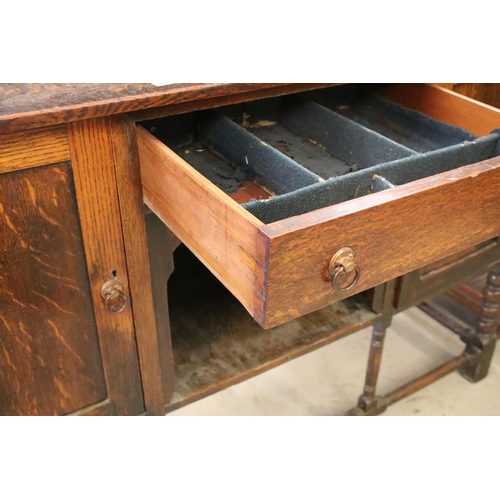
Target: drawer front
point(391, 233)
point(431, 280)
point(280, 271)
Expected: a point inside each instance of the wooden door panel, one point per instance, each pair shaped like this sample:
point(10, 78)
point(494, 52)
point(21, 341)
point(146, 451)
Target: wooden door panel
point(50, 359)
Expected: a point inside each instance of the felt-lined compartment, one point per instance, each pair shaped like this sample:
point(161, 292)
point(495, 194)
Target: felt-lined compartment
point(293, 155)
point(233, 159)
point(286, 146)
point(317, 138)
point(246, 152)
point(404, 126)
point(347, 140)
point(266, 150)
point(356, 184)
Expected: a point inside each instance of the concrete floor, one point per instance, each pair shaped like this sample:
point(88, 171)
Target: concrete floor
point(329, 380)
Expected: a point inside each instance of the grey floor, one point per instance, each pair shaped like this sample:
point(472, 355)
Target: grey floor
point(328, 380)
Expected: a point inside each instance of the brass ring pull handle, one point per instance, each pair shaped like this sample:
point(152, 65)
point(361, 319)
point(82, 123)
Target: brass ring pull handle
point(340, 271)
point(115, 300)
point(342, 263)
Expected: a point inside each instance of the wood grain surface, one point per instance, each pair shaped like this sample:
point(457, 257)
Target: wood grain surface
point(135, 240)
point(248, 191)
point(392, 232)
point(30, 105)
point(424, 283)
point(92, 158)
point(33, 148)
point(488, 93)
point(217, 99)
point(50, 362)
point(222, 234)
point(445, 105)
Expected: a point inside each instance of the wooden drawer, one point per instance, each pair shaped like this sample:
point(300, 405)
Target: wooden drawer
point(400, 208)
point(429, 281)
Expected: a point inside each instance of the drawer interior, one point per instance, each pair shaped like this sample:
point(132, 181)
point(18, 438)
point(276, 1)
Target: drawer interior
point(414, 130)
point(291, 155)
point(265, 193)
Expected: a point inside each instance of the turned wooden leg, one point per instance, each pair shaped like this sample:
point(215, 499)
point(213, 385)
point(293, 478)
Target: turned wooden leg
point(480, 342)
point(367, 400)
point(473, 363)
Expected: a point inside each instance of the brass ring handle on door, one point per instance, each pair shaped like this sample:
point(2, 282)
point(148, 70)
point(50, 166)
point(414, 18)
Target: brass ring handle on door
point(115, 300)
point(343, 263)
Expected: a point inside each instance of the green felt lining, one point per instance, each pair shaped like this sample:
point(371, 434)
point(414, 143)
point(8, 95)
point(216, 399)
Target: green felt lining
point(355, 184)
point(358, 142)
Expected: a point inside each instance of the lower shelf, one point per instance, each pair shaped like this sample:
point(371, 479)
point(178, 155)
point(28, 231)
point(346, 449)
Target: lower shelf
point(216, 343)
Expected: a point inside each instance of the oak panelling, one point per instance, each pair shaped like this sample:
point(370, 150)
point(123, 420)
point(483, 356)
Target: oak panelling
point(34, 148)
point(92, 158)
point(445, 105)
point(29, 105)
point(392, 232)
point(50, 362)
point(223, 235)
point(136, 248)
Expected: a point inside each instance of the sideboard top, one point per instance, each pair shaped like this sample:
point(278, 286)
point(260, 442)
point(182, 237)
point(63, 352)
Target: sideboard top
point(33, 105)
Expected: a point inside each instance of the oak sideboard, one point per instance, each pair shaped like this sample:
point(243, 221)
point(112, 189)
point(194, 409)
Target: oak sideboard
point(158, 244)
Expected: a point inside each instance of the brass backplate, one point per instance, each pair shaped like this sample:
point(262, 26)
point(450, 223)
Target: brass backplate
point(343, 257)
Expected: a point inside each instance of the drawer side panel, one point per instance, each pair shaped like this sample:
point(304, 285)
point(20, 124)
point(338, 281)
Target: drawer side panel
point(446, 106)
point(216, 229)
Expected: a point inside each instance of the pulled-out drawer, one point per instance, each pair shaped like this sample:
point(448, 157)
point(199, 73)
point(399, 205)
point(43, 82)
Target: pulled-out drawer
point(300, 201)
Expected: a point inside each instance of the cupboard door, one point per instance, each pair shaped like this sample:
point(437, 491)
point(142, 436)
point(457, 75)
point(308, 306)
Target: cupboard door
point(61, 350)
point(49, 348)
